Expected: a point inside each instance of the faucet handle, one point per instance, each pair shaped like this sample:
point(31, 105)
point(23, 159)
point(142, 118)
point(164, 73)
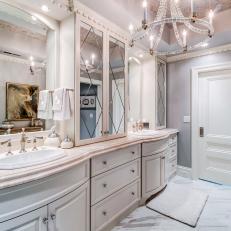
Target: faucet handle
point(9, 145)
point(35, 138)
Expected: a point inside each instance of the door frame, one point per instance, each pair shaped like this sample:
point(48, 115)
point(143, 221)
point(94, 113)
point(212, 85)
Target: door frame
point(195, 72)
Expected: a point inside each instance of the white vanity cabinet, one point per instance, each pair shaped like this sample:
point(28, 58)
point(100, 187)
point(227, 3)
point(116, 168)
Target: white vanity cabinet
point(153, 167)
point(115, 186)
point(33, 221)
point(58, 202)
point(70, 212)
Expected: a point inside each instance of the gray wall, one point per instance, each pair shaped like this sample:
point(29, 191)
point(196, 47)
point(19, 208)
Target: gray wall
point(179, 99)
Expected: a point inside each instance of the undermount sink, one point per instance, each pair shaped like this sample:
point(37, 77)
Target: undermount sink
point(31, 158)
point(146, 133)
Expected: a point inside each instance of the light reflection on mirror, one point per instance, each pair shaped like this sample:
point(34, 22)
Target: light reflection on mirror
point(25, 55)
point(91, 82)
point(116, 86)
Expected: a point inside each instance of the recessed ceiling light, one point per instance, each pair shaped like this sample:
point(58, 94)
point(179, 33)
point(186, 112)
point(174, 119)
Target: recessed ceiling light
point(141, 55)
point(32, 63)
point(31, 58)
point(34, 18)
point(44, 8)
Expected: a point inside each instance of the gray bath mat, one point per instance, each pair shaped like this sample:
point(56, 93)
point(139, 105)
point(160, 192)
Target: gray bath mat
point(180, 202)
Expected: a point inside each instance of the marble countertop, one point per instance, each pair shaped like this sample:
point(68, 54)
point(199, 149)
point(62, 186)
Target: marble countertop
point(75, 156)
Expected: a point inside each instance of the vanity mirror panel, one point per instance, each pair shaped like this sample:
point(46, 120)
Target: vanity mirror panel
point(160, 94)
point(91, 82)
point(26, 68)
point(116, 86)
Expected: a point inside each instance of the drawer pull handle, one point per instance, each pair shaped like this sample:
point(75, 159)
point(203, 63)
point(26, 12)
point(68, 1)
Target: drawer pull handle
point(105, 185)
point(53, 217)
point(104, 162)
point(133, 194)
point(104, 213)
point(45, 220)
point(132, 170)
point(163, 158)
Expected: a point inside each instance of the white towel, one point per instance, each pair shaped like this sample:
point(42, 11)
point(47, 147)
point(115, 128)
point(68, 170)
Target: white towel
point(45, 105)
point(58, 99)
point(61, 104)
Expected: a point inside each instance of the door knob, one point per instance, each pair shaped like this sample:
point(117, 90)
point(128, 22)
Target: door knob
point(45, 220)
point(105, 185)
point(53, 217)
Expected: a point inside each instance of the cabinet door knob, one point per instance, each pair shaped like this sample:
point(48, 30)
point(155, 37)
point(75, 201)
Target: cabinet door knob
point(132, 170)
point(53, 217)
point(133, 153)
point(45, 220)
point(105, 185)
point(133, 193)
point(104, 162)
point(104, 213)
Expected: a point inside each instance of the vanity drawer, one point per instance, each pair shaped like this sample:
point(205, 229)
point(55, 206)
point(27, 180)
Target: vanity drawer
point(173, 139)
point(173, 151)
point(114, 159)
point(109, 209)
point(172, 165)
point(107, 183)
point(151, 148)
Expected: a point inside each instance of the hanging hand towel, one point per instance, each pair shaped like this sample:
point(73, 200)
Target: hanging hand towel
point(45, 105)
point(61, 104)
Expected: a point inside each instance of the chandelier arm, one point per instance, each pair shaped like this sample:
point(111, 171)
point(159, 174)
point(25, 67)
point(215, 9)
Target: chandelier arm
point(175, 28)
point(188, 24)
point(162, 12)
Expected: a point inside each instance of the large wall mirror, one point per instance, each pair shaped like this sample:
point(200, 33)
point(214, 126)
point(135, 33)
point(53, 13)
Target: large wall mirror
point(26, 62)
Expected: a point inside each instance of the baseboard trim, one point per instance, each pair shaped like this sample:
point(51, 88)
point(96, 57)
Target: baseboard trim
point(184, 171)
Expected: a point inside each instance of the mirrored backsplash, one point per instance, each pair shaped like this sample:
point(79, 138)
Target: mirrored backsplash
point(24, 59)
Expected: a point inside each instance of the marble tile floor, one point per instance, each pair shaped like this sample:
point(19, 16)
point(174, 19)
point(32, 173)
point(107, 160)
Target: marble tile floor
point(216, 215)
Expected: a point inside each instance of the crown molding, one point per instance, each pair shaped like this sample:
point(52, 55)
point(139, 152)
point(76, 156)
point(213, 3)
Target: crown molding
point(195, 54)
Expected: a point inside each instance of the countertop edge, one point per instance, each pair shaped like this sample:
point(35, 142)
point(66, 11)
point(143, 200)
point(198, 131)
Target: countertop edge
point(18, 177)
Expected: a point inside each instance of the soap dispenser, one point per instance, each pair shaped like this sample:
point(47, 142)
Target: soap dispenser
point(67, 143)
point(53, 139)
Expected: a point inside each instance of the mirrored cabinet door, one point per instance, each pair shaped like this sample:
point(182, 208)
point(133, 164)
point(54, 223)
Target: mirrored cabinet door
point(116, 91)
point(91, 82)
point(161, 94)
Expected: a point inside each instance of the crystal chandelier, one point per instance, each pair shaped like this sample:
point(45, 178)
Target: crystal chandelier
point(169, 12)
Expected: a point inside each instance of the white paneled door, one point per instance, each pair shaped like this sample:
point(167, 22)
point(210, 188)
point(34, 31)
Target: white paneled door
point(214, 126)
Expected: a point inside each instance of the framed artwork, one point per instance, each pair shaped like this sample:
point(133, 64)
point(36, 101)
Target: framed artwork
point(21, 101)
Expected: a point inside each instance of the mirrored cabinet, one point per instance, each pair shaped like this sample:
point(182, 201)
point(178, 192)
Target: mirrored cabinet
point(101, 82)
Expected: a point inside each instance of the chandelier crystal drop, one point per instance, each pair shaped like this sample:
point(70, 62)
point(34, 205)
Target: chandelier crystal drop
point(169, 12)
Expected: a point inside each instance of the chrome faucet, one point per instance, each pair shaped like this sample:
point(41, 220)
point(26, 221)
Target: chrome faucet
point(23, 141)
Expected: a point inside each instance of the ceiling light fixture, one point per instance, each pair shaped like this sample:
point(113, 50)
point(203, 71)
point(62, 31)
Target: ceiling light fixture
point(169, 12)
point(45, 8)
